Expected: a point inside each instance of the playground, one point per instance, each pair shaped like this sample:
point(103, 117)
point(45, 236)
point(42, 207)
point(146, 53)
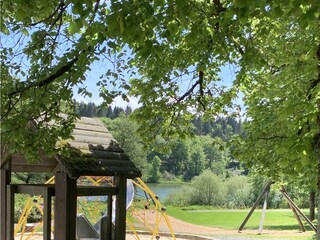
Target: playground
point(91, 212)
point(92, 196)
point(147, 220)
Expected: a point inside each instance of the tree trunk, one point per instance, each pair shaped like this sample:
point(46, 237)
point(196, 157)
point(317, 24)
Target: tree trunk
point(312, 205)
point(316, 141)
point(318, 225)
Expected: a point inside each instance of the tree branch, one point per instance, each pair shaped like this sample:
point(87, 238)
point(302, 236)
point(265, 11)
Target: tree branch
point(200, 83)
point(62, 70)
point(219, 6)
point(201, 74)
point(180, 99)
point(50, 16)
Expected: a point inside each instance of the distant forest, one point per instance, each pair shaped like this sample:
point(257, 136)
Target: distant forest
point(222, 127)
point(92, 110)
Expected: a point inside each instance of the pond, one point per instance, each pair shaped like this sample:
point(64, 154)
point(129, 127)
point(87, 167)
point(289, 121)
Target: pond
point(160, 189)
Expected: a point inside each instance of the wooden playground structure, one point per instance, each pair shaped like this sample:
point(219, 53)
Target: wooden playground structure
point(94, 152)
point(135, 220)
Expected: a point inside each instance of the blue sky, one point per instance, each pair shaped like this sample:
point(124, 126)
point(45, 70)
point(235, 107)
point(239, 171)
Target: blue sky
point(227, 76)
point(98, 68)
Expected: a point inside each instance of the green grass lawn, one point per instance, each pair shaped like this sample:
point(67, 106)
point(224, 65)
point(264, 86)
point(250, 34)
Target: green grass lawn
point(231, 219)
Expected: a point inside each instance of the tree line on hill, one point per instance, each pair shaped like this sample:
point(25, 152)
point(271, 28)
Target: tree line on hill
point(222, 127)
point(183, 158)
point(90, 109)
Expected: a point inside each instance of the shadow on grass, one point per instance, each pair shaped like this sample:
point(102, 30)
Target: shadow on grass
point(284, 227)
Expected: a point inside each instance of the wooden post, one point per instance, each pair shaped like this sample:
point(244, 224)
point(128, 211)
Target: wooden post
point(264, 209)
point(266, 188)
point(302, 228)
point(120, 218)
point(47, 201)
point(5, 179)
point(65, 207)
point(11, 189)
point(297, 209)
point(109, 222)
point(106, 230)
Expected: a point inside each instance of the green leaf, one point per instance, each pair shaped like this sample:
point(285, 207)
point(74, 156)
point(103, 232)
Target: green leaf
point(121, 25)
point(4, 29)
point(112, 45)
point(20, 14)
point(173, 27)
point(209, 29)
point(73, 28)
point(25, 31)
point(176, 74)
point(278, 11)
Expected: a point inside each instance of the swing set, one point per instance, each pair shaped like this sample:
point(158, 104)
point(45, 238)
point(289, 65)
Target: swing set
point(296, 211)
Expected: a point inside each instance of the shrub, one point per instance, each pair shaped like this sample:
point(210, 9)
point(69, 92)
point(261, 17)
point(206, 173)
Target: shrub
point(167, 176)
point(183, 197)
point(208, 189)
point(20, 203)
point(238, 193)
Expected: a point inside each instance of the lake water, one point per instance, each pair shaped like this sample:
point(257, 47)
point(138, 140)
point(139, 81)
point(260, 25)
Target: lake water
point(162, 190)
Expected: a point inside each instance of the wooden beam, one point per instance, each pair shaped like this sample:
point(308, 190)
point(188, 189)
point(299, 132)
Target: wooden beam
point(120, 211)
point(302, 228)
point(65, 207)
point(46, 164)
point(266, 188)
point(97, 146)
point(34, 168)
point(285, 194)
point(35, 189)
point(96, 191)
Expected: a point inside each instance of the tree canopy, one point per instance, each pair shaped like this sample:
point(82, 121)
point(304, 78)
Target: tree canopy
point(282, 100)
point(169, 54)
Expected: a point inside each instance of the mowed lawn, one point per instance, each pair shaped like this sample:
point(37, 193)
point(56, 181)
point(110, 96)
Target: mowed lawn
point(279, 219)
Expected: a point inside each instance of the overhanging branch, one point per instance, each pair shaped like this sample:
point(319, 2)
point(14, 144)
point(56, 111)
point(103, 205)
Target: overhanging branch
point(190, 91)
point(186, 94)
point(28, 85)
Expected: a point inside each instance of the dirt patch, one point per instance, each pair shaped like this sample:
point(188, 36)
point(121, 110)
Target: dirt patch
point(185, 231)
point(181, 228)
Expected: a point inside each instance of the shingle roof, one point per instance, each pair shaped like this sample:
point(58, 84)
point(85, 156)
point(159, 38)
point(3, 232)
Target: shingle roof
point(93, 152)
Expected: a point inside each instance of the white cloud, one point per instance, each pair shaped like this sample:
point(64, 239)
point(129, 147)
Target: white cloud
point(133, 102)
